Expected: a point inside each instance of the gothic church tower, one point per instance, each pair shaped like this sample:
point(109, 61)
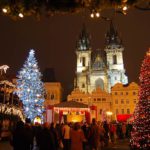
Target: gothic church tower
point(99, 68)
point(83, 52)
point(114, 56)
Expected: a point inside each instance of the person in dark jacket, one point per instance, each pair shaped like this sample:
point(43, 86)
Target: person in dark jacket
point(46, 139)
point(21, 140)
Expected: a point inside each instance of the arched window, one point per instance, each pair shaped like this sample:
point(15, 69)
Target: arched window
point(114, 59)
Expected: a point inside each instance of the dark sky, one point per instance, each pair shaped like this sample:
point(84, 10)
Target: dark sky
point(54, 39)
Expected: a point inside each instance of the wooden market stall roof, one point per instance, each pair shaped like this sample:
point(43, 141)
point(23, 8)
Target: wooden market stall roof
point(71, 104)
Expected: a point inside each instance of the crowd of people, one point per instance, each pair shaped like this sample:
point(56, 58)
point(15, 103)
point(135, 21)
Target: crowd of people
point(67, 136)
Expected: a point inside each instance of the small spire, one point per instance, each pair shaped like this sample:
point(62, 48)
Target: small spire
point(83, 43)
point(112, 37)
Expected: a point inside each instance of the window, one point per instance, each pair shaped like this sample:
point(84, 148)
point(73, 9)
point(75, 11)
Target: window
point(94, 99)
point(127, 93)
point(103, 99)
point(83, 85)
point(116, 101)
point(128, 111)
point(52, 96)
point(100, 111)
point(134, 101)
point(121, 93)
point(122, 110)
point(114, 59)
point(115, 93)
point(98, 99)
point(81, 99)
point(83, 61)
point(117, 111)
point(134, 93)
point(122, 101)
point(127, 101)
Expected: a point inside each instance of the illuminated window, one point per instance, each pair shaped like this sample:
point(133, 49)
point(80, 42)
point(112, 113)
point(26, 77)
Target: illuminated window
point(114, 59)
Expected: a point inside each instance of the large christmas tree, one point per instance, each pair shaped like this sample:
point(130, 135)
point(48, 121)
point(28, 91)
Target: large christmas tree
point(140, 136)
point(30, 88)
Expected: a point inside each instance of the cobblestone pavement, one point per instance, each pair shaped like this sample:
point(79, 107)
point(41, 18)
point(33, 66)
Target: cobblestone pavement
point(119, 145)
point(4, 145)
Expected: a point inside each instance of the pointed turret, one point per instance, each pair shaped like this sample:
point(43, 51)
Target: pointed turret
point(83, 43)
point(112, 37)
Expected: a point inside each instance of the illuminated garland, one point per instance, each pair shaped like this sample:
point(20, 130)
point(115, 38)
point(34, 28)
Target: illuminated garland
point(20, 8)
point(11, 110)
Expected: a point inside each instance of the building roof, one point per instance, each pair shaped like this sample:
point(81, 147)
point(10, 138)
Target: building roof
point(71, 104)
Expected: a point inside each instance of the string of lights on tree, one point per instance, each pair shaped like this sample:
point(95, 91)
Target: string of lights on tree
point(30, 88)
point(21, 8)
point(140, 136)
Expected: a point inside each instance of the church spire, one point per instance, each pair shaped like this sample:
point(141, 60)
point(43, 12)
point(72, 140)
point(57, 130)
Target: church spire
point(83, 43)
point(112, 37)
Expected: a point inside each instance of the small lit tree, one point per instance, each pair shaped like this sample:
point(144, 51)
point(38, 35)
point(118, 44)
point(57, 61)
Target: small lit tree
point(30, 88)
point(140, 136)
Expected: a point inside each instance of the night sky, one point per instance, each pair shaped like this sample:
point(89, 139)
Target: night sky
point(54, 39)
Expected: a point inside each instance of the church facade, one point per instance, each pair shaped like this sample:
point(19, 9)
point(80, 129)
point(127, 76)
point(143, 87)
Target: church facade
point(100, 68)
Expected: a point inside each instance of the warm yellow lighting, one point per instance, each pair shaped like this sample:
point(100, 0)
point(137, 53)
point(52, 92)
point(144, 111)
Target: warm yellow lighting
point(21, 15)
point(4, 10)
point(97, 14)
point(92, 15)
point(109, 113)
point(38, 120)
point(124, 8)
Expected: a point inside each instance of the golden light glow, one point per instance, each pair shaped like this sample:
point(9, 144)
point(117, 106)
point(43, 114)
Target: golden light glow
point(37, 120)
point(124, 8)
point(4, 10)
point(109, 113)
point(74, 118)
point(92, 15)
point(97, 14)
point(21, 15)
